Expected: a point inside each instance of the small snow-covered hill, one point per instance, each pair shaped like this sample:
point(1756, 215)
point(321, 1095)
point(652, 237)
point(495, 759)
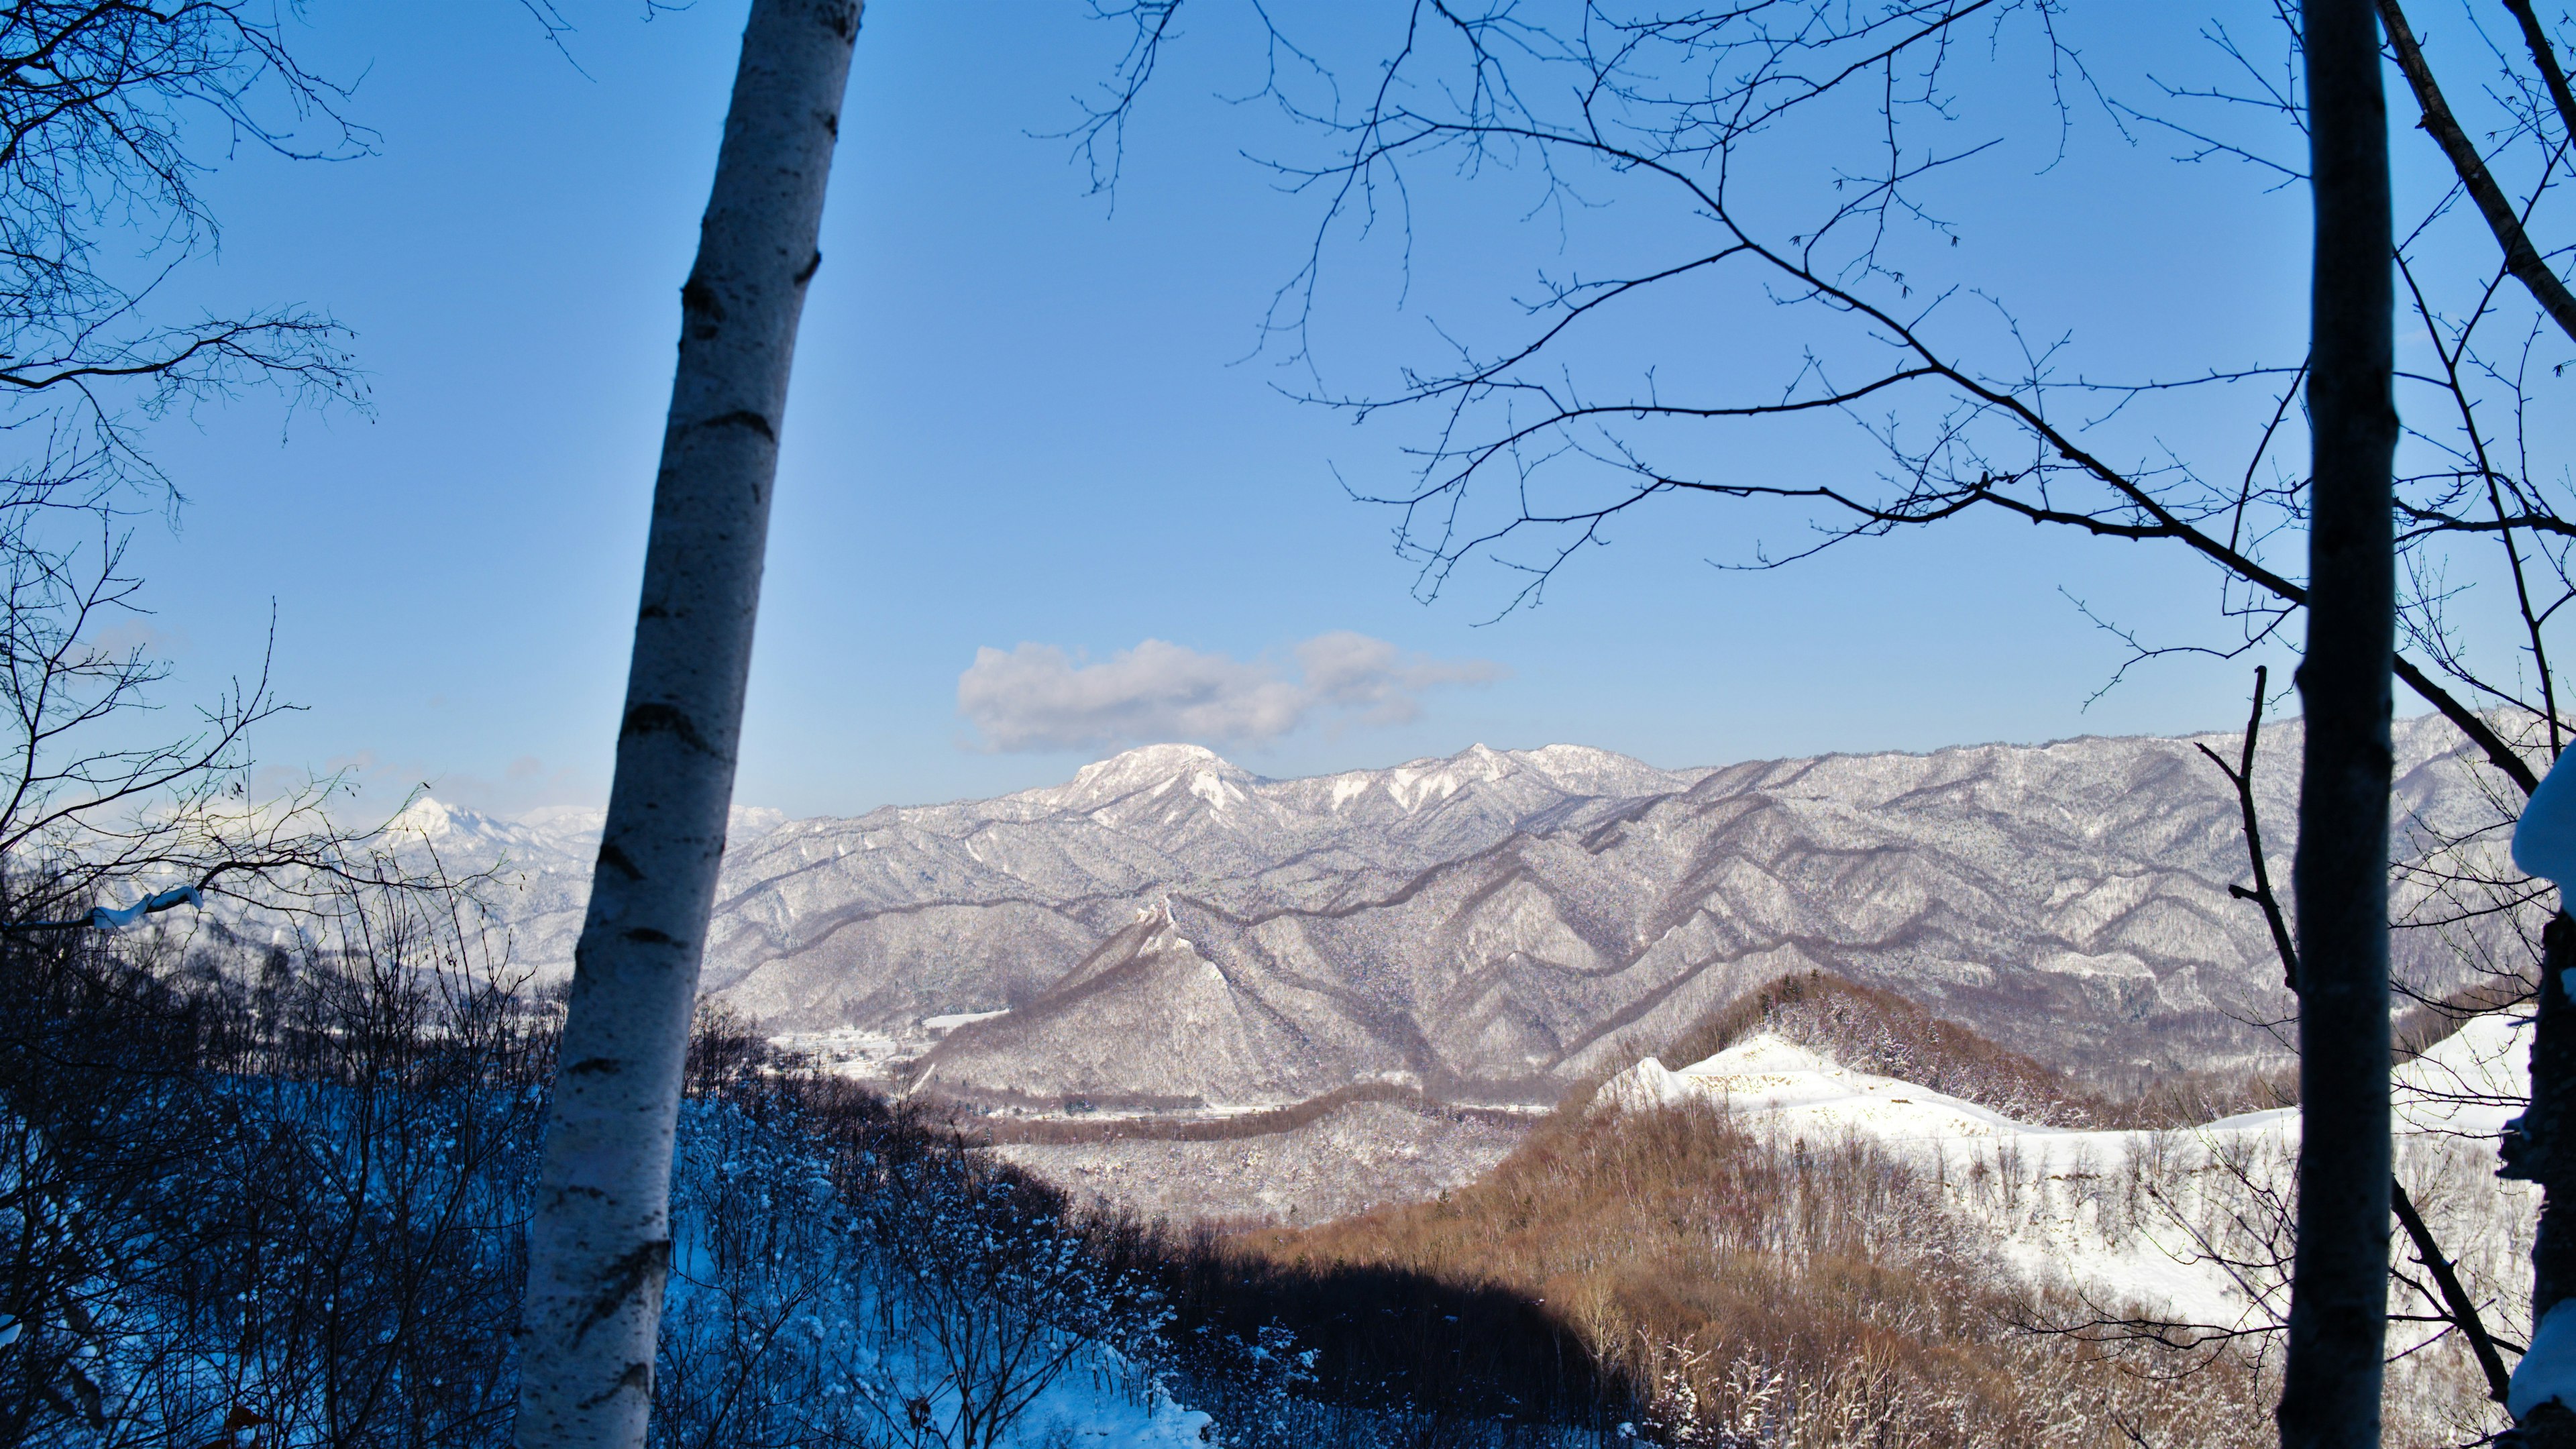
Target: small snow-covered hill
point(2161, 1220)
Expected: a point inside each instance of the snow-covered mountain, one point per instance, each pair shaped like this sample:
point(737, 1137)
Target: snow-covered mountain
point(1170, 930)
point(2145, 1218)
point(537, 866)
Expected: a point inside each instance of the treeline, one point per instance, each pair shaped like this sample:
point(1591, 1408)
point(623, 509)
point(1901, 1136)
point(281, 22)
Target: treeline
point(284, 1202)
point(1877, 1031)
point(1751, 1288)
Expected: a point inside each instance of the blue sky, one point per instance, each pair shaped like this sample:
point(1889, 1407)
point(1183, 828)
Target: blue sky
point(1023, 418)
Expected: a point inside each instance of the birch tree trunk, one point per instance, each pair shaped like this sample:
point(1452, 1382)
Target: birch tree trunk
point(599, 1243)
point(2339, 1282)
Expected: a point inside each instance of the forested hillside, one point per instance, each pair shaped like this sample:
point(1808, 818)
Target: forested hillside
point(288, 1206)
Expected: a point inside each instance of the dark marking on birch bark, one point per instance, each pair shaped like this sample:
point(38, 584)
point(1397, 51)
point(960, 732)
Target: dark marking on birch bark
point(628, 1275)
point(638, 1379)
point(745, 417)
point(615, 859)
point(662, 719)
point(647, 936)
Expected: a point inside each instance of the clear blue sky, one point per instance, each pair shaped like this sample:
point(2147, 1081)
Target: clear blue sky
point(1021, 418)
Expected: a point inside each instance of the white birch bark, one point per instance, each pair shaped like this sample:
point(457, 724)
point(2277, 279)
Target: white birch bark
point(599, 1243)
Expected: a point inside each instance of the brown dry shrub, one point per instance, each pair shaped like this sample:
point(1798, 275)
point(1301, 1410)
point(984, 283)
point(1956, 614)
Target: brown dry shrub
point(1767, 1290)
point(1878, 1031)
point(1777, 1292)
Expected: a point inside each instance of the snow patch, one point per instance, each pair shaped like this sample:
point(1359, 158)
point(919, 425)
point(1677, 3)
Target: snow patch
point(2544, 839)
point(1215, 790)
point(2548, 1371)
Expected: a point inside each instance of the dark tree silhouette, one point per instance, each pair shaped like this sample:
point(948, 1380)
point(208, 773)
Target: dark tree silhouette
point(2339, 1282)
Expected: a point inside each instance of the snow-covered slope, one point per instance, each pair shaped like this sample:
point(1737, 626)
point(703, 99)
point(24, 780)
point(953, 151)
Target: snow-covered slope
point(2167, 1220)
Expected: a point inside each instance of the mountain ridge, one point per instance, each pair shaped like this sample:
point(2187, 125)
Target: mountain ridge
point(1493, 923)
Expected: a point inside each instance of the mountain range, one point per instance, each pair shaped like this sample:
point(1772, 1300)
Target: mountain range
point(1170, 933)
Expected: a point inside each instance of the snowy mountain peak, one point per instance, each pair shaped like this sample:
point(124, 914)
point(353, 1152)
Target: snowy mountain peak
point(1563, 769)
point(1584, 768)
point(1155, 769)
point(563, 836)
point(424, 817)
point(429, 818)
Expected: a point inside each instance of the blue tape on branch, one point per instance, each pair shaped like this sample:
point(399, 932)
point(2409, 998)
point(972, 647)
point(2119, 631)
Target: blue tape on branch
point(106, 919)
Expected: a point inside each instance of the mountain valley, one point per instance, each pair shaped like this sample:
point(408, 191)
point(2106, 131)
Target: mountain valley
point(1170, 947)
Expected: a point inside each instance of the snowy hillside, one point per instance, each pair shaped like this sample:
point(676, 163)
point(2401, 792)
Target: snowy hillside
point(2152, 1220)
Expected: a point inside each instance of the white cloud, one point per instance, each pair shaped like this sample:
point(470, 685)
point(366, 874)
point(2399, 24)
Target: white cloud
point(1038, 697)
point(1355, 671)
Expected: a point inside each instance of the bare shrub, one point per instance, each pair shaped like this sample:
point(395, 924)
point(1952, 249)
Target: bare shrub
point(1295, 1352)
point(1768, 1290)
point(288, 1201)
point(1877, 1031)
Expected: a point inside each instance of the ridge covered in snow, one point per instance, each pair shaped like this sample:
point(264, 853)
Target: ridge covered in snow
point(1492, 925)
point(2129, 1217)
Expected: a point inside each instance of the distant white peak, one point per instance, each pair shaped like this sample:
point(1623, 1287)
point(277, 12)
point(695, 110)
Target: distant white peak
point(750, 822)
point(428, 818)
point(1575, 755)
point(746, 822)
point(1576, 767)
point(423, 817)
point(1150, 766)
point(1152, 762)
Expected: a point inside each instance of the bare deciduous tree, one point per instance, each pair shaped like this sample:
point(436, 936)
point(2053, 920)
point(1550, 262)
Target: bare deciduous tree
point(2339, 1282)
